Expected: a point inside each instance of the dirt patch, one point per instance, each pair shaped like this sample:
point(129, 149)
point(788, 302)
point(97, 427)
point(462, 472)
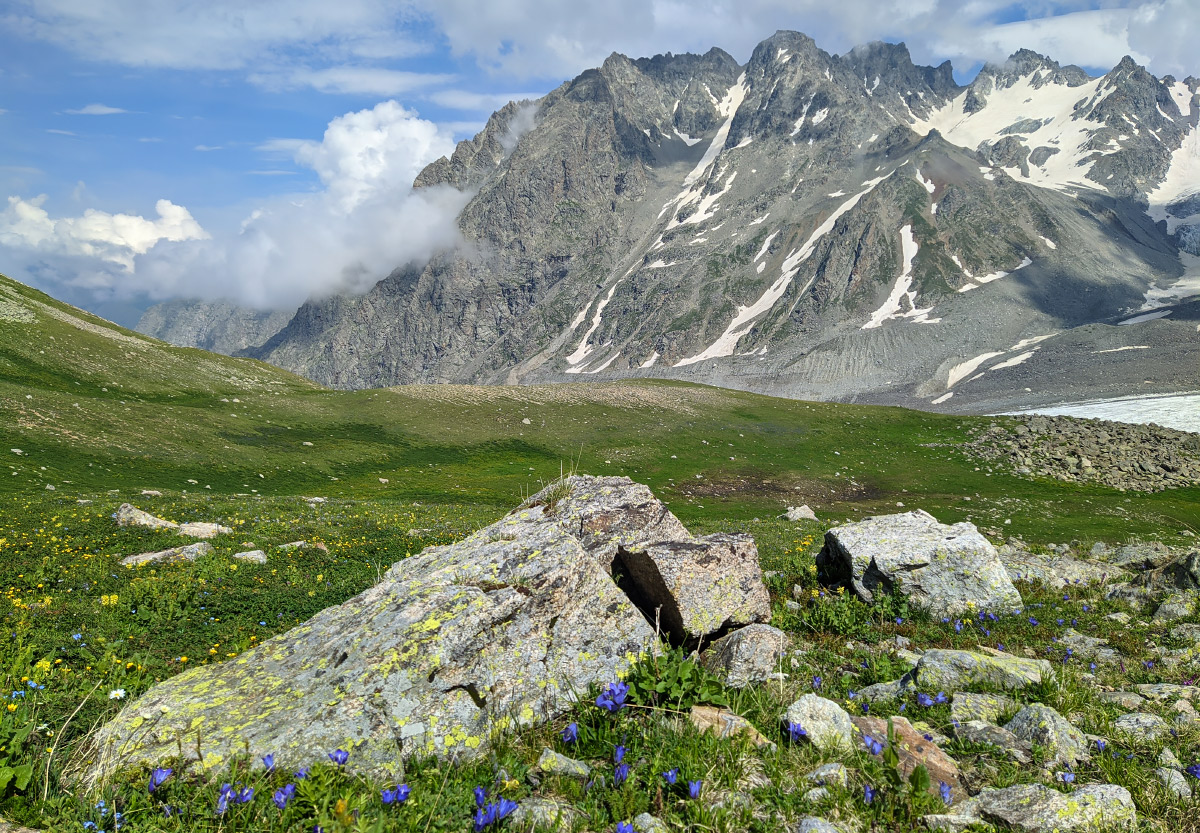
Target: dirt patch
point(785, 491)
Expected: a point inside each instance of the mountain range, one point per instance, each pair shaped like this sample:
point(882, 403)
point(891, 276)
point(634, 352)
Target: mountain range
point(843, 227)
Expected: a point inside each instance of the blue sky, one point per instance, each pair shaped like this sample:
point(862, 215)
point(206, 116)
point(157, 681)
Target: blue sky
point(152, 149)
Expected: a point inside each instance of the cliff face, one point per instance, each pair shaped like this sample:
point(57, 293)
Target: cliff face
point(824, 226)
point(218, 326)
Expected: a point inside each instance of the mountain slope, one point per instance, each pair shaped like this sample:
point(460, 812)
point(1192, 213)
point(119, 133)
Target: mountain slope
point(851, 227)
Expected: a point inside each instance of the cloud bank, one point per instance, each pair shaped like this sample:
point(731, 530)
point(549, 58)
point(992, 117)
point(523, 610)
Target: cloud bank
point(364, 222)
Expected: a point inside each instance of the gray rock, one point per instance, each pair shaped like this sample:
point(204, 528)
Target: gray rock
point(1040, 724)
point(1124, 699)
point(965, 705)
point(553, 763)
point(543, 814)
point(1034, 808)
point(1120, 617)
point(203, 529)
point(698, 586)
point(748, 655)
point(800, 513)
point(1175, 607)
point(833, 773)
point(253, 556)
point(813, 824)
point(1174, 781)
point(949, 822)
point(646, 823)
point(886, 691)
point(948, 569)
point(1089, 647)
point(129, 515)
point(1187, 632)
point(816, 795)
point(188, 552)
point(1141, 726)
point(948, 670)
point(1161, 692)
point(501, 628)
point(1057, 571)
point(1141, 556)
point(979, 731)
point(605, 513)
point(827, 724)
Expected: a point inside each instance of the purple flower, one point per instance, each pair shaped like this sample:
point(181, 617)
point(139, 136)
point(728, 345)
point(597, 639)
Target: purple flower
point(851, 694)
point(671, 776)
point(944, 789)
point(283, 795)
point(339, 756)
point(613, 697)
point(624, 827)
point(816, 683)
point(158, 776)
point(571, 733)
point(924, 700)
point(618, 754)
point(396, 795)
point(899, 620)
point(869, 793)
point(795, 731)
point(866, 707)
point(1033, 621)
point(1193, 770)
point(694, 788)
point(873, 746)
point(1100, 745)
point(244, 796)
point(223, 797)
point(958, 625)
point(480, 796)
point(941, 697)
point(620, 774)
point(269, 762)
point(1067, 777)
point(301, 773)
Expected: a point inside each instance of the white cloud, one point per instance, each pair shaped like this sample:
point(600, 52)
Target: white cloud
point(207, 148)
point(352, 80)
point(58, 132)
point(1168, 31)
point(111, 238)
point(97, 110)
point(477, 102)
point(365, 222)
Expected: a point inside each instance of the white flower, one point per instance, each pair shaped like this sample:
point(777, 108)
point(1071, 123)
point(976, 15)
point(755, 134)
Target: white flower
point(117, 694)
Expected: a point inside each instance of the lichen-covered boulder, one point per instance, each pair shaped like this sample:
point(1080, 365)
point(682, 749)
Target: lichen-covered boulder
point(1034, 808)
point(188, 552)
point(966, 705)
point(944, 669)
point(948, 569)
point(1040, 724)
point(129, 515)
point(608, 512)
point(506, 627)
point(1142, 726)
point(981, 731)
point(826, 725)
point(697, 587)
point(748, 655)
point(203, 529)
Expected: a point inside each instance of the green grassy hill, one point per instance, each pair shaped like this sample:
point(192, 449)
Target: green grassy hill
point(100, 414)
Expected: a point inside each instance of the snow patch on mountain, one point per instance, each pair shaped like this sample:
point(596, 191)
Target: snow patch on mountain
point(964, 369)
point(579, 356)
point(893, 307)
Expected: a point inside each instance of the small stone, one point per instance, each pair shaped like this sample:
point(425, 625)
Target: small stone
point(748, 655)
point(967, 705)
point(1040, 724)
point(948, 822)
point(827, 724)
point(543, 814)
point(1167, 758)
point(979, 731)
point(151, 493)
point(834, 773)
point(1120, 617)
point(1174, 781)
point(646, 823)
point(1124, 699)
point(816, 795)
point(553, 763)
point(253, 556)
point(813, 824)
point(128, 515)
point(800, 513)
point(726, 724)
point(1141, 726)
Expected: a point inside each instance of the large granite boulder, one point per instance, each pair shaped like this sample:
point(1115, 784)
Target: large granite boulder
point(605, 513)
point(945, 669)
point(948, 569)
point(506, 627)
point(748, 655)
point(1039, 724)
point(696, 588)
point(129, 515)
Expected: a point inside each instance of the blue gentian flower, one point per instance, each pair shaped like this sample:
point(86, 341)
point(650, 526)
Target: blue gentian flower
point(694, 788)
point(624, 827)
point(301, 773)
point(223, 797)
point(613, 697)
point(873, 746)
point(868, 793)
point(480, 796)
point(816, 683)
point(571, 733)
point(1100, 745)
point(245, 795)
point(283, 795)
point(397, 795)
point(158, 776)
point(941, 697)
point(944, 789)
point(618, 754)
point(339, 756)
point(671, 776)
point(269, 762)
point(620, 774)
point(1067, 777)
point(795, 731)
point(1193, 770)
point(924, 700)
